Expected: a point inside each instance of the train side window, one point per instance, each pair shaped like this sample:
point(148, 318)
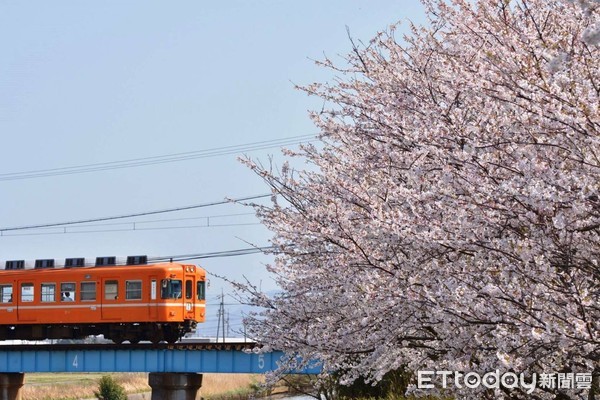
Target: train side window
point(189, 289)
point(201, 290)
point(27, 292)
point(88, 291)
point(67, 291)
point(111, 290)
point(6, 292)
point(133, 290)
point(48, 292)
point(170, 289)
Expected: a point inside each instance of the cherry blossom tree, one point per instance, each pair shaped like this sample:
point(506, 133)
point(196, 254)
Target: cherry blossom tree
point(450, 219)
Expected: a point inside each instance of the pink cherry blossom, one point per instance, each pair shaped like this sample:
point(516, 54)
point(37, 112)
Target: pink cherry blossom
point(451, 215)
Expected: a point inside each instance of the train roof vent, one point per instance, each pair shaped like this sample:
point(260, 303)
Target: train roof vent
point(15, 264)
point(48, 263)
point(103, 261)
point(74, 262)
point(137, 260)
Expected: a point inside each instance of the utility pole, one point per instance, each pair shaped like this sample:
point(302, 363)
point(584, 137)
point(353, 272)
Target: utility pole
point(221, 317)
point(228, 327)
point(221, 326)
point(218, 322)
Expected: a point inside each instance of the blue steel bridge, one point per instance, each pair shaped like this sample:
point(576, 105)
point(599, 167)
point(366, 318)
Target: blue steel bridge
point(175, 369)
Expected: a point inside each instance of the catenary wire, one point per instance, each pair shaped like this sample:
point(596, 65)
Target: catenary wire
point(200, 256)
point(161, 159)
point(153, 221)
point(214, 254)
point(168, 210)
point(67, 232)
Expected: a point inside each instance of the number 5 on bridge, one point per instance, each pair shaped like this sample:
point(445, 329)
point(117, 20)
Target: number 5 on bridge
point(261, 361)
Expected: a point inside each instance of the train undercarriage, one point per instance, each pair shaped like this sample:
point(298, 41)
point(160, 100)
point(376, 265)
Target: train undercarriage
point(154, 332)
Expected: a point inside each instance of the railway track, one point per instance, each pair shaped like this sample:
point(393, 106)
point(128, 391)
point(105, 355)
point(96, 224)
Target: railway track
point(187, 345)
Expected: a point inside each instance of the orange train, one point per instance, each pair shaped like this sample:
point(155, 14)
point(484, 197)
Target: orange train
point(150, 302)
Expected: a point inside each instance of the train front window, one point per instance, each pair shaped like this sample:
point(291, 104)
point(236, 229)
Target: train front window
point(6, 293)
point(201, 290)
point(170, 289)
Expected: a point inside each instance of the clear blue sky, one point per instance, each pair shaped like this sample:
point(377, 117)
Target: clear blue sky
point(85, 82)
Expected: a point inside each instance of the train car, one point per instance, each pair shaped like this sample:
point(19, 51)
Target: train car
point(150, 302)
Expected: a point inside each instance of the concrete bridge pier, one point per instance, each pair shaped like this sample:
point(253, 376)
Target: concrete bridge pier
point(174, 386)
point(10, 385)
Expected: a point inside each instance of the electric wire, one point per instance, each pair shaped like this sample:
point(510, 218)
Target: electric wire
point(189, 257)
point(139, 214)
point(151, 221)
point(130, 229)
point(136, 224)
point(160, 159)
point(214, 254)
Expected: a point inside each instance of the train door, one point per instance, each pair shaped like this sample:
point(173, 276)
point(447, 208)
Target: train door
point(153, 304)
point(111, 303)
point(190, 302)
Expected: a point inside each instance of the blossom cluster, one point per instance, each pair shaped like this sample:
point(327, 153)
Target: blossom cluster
point(452, 217)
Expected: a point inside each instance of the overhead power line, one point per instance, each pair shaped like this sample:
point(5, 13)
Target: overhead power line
point(168, 210)
point(152, 221)
point(139, 225)
point(90, 262)
point(128, 229)
point(160, 159)
point(215, 254)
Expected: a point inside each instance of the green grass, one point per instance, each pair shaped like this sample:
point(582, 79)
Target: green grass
point(41, 379)
point(76, 386)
